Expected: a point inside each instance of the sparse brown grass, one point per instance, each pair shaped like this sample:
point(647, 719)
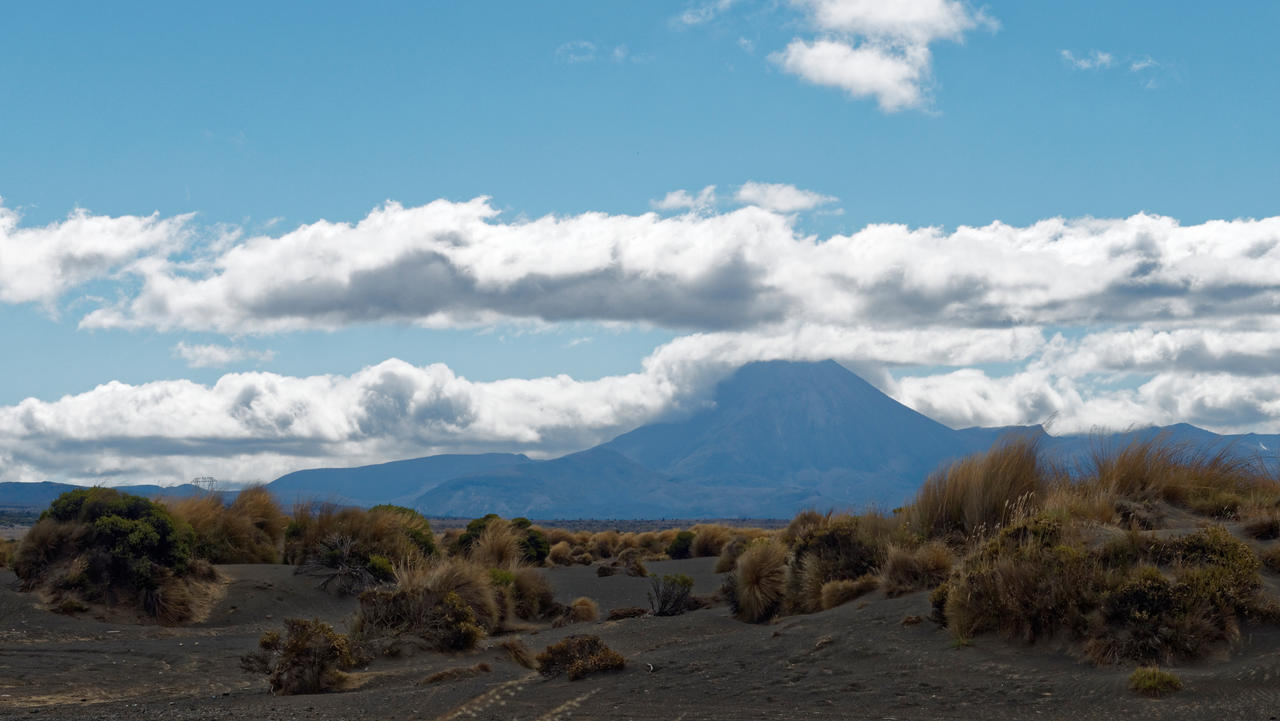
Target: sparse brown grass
point(456, 673)
point(923, 568)
point(840, 592)
point(520, 653)
point(759, 582)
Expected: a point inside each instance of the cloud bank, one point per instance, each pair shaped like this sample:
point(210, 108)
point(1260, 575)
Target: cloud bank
point(1083, 322)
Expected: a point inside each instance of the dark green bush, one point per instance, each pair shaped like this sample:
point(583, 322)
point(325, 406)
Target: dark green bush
point(682, 545)
point(416, 526)
point(106, 546)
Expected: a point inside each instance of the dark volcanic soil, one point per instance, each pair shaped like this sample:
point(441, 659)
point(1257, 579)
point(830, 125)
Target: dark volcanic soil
point(856, 661)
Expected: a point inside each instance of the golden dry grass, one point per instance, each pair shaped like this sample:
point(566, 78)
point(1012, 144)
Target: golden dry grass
point(760, 578)
point(842, 591)
point(498, 545)
point(907, 570)
point(980, 493)
point(250, 530)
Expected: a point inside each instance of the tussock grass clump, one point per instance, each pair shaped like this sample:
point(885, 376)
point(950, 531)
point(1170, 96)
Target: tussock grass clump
point(497, 545)
point(984, 491)
point(579, 656)
point(582, 610)
point(1154, 682)
point(533, 595)
point(604, 544)
point(709, 540)
point(907, 570)
point(759, 582)
point(311, 658)
point(671, 594)
point(249, 530)
point(838, 593)
point(98, 545)
point(561, 554)
point(351, 549)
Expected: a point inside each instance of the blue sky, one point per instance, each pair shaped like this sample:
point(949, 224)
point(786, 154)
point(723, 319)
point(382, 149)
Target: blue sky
point(186, 137)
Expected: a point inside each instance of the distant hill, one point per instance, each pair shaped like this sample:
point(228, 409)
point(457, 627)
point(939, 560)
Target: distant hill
point(398, 482)
point(778, 437)
point(40, 495)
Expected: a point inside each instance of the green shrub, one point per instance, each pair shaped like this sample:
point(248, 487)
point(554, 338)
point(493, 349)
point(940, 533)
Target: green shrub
point(682, 545)
point(670, 595)
point(579, 656)
point(1151, 681)
point(105, 546)
point(310, 658)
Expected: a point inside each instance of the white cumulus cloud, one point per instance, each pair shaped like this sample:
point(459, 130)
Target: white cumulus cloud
point(875, 49)
point(781, 197)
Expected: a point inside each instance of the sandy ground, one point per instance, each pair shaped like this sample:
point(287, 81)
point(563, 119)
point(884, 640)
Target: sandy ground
point(855, 662)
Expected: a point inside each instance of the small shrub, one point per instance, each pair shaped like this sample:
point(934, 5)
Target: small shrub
point(455, 674)
point(579, 656)
point(605, 570)
point(669, 595)
point(1154, 682)
point(759, 583)
point(840, 592)
point(7, 550)
point(310, 658)
point(414, 525)
point(682, 545)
